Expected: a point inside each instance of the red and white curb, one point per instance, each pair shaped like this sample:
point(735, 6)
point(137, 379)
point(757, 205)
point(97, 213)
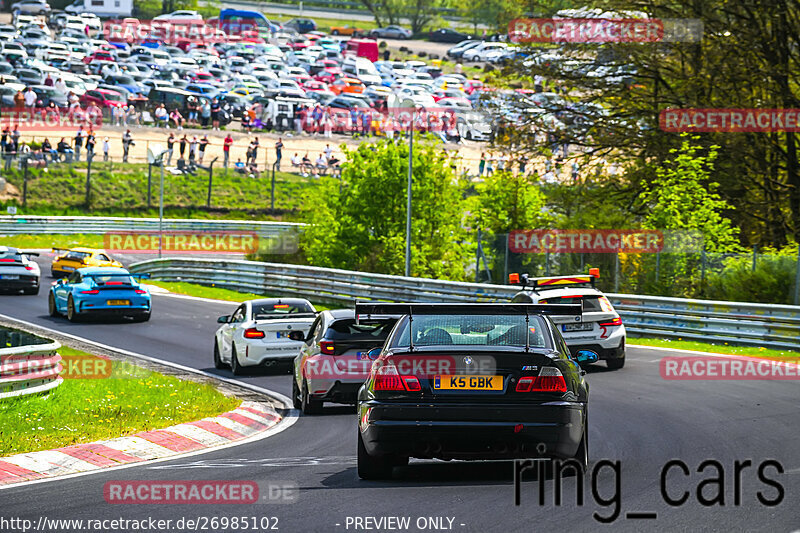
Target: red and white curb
point(244, 422)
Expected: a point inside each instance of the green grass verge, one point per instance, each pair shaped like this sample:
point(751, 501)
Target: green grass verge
point(50, 241)
point(132, 399)
point(325, 24)
point(121, 190)
point(724, 348)
point(216, 293)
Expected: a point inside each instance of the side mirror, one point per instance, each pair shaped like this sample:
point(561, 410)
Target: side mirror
point(297, 335)
point(374, 354)
point(586, 356)
point(224, 319)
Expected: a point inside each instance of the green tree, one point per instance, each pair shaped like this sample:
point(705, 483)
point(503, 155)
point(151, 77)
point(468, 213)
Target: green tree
point(362, 226)
point(683, 197)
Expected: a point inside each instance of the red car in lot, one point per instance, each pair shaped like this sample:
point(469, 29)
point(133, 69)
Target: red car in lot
point(103, 98)
point(329, 75)
point(99, 55)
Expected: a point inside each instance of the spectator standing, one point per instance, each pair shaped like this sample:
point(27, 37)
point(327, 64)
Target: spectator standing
point(204, 142)
point(576, 171)
point(116, 115)
point(106, 148)
point(215, 108)
point(482, 164)
point(327, 123)
point(249, 153)
point(328, 152)
point(19, 100)
point(182, 146)
point(15, 139)
point(353, 121)
point(4, 139)
point(48, 81)
point(299, 118)
point(30, 100)
point(366, 122)
point(316, 116)
point(226, 149)
point(191, 105)
point(90, 142)
point(60, 86)
point(127, 142)
point(255, 150)
point(205, 113)
point(79, 143)
point(170, 148)
point(193, 149)
point(490, 164)
point(278, 153)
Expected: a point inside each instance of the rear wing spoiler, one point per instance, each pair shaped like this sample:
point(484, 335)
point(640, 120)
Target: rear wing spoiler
point(368, 309)
point(33, 254)
point(552, 282)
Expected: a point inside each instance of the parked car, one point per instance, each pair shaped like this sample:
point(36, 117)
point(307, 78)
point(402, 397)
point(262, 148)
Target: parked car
point(31, 7)
point(301, 25)
point(390, 32)
point(446, 35)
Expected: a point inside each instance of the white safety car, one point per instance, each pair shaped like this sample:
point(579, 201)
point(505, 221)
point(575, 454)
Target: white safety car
point(599, 328)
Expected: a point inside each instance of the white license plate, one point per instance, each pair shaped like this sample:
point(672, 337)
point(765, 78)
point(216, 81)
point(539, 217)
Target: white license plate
point(581, 326)
point(67, 269)
point(9, 276)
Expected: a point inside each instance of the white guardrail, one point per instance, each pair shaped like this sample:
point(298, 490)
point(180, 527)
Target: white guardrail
point(773, 326)
point(68, 225)
point(28, 364)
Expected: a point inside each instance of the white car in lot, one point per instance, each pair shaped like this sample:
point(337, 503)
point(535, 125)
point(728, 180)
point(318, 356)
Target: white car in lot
point(599, 328)
point(482, 51)
point(257, 333)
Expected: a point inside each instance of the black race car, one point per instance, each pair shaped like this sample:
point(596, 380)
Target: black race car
point(473, 382)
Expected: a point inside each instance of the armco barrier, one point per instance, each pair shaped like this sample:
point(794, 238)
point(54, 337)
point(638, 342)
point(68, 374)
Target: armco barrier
point(28, 364)
point(774, 326)
point(67, 225)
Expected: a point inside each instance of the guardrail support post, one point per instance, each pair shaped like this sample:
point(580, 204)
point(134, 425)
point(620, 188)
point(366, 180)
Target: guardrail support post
point(25, 182)
point(505, 260)
point(210, 180)
point(658, 265)
point(89, 157)
point(755, 256)
point(547, 263)
point(149, 183)
point(702, 269)
point(797, 279)
point(478, 257)
point(616, 271)
point(272, 193)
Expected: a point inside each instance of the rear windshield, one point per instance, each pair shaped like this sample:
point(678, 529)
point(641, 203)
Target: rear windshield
point(590, 303)
point(10, 257)
point(480, 330)
point(279, 309)
point(111, 279)
point(77, 255)
point(347, 329)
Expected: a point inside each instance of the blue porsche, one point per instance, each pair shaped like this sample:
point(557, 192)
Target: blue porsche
point(100, 291)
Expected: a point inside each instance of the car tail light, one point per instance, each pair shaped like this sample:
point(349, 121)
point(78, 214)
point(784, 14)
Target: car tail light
point(326, 347)
point(27, 267)
point(412, 383)
point(140, 291)
point(550, 379)
point(93, 291)
point(253, 333)
point(616, 322)
point(387, 378)
point(7, 260)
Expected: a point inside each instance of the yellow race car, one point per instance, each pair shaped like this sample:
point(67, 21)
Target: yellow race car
point(69, 259)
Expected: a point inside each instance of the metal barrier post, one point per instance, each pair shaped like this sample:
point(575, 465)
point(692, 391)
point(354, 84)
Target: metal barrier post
point(149, 183)
point(755, 255)
point(25, 183)
point(616, 271)
point(505, 261)
point(797, 279)
point(272, 193)
point(210, 179)
point(89, 157)
point(658, 265)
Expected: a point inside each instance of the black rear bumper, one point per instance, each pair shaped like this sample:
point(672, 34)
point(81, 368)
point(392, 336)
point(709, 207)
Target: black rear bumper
point(473, 432)
point(24, 282)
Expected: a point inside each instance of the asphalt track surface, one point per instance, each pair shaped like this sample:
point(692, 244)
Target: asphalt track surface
point(636, 418)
